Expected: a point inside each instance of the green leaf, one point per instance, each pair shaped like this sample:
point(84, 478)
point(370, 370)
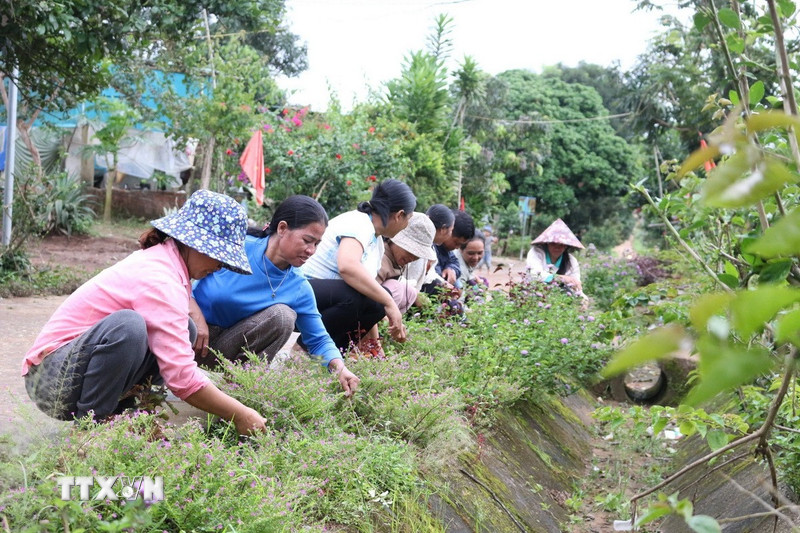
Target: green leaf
point(773, 119)
point(782, 239)
point(751, 309)
point(701, 20)
point(716, 439)
point(707, 306)
point(658, 344)
point(722, 368)
point(703, 524)
point(697, 158)
point(652, 513)
point(729, 18)
point(776, 271)
point(735, 43)
point(702, 428)
point(687, 428)
point(733, 184)
point(733, 96)
point(730, 281)
point(787, 328)
point(756, 92)
point(660, 424)
point(787, 7)
point(684, 508)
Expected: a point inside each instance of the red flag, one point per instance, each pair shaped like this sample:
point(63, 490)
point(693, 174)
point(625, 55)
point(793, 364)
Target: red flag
point(708, 165)
point(252, 163)
point(461, 207)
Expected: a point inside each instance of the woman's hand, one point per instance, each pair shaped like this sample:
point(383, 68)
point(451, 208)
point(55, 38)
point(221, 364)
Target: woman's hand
point(449, 276)
point(347, 379)
point(572, 282)
point(396, 328)
point(212, 400)
point(248, 421)
point(200, 345)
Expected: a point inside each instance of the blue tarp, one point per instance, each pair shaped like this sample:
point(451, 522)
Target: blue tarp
point(70, 119)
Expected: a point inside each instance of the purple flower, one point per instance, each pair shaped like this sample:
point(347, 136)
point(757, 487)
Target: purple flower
point(590, 318)
point(524, 352)
point(564, 340)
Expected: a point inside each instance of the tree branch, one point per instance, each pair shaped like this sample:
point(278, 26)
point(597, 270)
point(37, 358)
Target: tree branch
point(680, 240)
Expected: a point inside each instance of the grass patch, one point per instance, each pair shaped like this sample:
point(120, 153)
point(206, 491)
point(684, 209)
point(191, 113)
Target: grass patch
point(326, 462)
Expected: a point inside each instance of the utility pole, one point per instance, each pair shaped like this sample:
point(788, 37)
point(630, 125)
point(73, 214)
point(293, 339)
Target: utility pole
point(11, 143)
point(208, 156)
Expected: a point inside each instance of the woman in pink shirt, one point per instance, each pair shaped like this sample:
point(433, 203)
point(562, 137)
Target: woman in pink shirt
point(130, 324)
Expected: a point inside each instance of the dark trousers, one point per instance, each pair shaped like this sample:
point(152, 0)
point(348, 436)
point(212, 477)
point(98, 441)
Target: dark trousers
point(346, 313)
point(92, 372)
point(263, 333)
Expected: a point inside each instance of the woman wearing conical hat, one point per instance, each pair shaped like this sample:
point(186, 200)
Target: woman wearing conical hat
point(550, 257)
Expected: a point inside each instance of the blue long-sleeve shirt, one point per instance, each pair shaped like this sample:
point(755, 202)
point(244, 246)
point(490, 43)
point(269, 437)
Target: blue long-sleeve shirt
point(446, 259)
point(225, 298)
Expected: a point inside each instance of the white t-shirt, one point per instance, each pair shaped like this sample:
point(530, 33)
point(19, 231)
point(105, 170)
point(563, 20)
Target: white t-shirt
point(354, 224)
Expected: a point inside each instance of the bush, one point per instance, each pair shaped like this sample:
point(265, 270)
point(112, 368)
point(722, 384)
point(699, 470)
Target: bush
point(605, 277)
point(513, 245)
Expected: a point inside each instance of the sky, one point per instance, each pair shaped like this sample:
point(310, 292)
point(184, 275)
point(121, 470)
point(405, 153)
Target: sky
point(357, 45)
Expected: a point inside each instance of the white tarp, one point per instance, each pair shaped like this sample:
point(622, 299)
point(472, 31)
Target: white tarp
point(141, 153)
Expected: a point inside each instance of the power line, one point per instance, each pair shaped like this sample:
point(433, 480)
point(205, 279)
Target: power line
point(554, 121)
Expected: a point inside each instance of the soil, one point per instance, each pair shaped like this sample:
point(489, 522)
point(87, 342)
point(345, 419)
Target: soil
point(83, 253)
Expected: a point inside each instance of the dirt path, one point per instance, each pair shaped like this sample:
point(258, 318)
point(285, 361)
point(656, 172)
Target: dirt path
point(20, 320)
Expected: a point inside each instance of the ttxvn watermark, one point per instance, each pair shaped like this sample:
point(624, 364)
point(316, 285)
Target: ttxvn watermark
point(151, 489)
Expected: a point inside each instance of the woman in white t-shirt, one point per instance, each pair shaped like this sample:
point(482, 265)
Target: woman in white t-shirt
point(342, 272)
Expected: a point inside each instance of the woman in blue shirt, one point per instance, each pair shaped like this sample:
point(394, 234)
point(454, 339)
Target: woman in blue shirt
point(258, 313)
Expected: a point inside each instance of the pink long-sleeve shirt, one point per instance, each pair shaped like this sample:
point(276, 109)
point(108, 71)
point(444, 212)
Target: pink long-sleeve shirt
point(153, 282)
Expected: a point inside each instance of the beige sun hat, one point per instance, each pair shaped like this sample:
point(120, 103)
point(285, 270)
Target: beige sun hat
point(417, 237)
point(558, 233)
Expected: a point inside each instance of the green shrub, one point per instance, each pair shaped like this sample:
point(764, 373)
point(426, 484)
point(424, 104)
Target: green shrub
point(51, 203)
point(604, 277)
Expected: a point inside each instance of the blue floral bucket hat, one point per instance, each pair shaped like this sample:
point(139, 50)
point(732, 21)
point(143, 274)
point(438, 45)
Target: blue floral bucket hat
point(214, 225)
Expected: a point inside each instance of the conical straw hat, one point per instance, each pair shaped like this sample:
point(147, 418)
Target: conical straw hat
point(558, 233)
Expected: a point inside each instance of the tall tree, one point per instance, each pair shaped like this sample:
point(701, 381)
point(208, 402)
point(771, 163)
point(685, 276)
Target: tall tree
point(67, 52)
point(421, 99)
point(550, 140)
